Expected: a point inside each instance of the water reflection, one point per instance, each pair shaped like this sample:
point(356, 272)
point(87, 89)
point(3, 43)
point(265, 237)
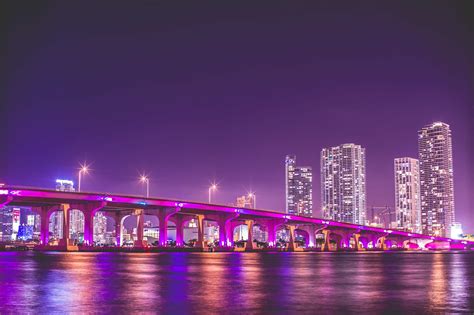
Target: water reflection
point(183, 283)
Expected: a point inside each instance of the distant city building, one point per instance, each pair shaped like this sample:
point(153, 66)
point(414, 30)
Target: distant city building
point(246, 201)
point(382, 216)
point(407, 194)
point(100, 228)
point(25, 232)
point(299, 188)
point(436, 179)
point(456, 231)
point(6, 224)
point(64, 185)
point(343, 193)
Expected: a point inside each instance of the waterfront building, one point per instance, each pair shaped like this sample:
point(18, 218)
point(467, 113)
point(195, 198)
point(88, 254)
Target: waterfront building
point(436, 179)
point(343, 192)
point(100, 228)
point(407, 194)
point(64, 185)
point(299, 188)
point(246, 201)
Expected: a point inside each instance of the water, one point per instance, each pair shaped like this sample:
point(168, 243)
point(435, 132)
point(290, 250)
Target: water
point(246, 283)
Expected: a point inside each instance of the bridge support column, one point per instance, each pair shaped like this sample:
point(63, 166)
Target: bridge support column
point(223, 232)
point(357, 246)
point(291, 244)
point(271, 234)
point(312, 236)
point(65, 240)
point(88, 228)
point(44, 229)
point(200, 226)
point(118, 229)
point(179, 222)
point(163, 230)
point(249, 245)
point(140, 214)
point(326, 245)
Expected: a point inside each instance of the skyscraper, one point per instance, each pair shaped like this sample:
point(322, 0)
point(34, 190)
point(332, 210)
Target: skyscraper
point(64, 185)
point(343, 195)
point(407, 194)
point(436, 179)
point(246, 201)
point(299, 188)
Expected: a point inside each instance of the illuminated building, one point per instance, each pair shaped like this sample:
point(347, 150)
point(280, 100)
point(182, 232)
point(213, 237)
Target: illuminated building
point(299, 188)
point(343, 194)
point(382, 217)
point(436, 179)
point(246, 201)
point(6, 224)
point(407, 194)
point(76, 225)
point(456, 231)
point(64, 185)
point(100, 228)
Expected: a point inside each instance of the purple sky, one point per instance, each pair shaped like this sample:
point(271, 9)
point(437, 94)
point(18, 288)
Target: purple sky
point(203, 92)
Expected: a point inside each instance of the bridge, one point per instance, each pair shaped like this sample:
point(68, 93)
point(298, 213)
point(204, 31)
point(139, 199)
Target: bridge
point(332, 235)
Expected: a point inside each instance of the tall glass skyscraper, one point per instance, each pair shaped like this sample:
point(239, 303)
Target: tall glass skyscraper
point(436, 179)
point(343, 195)
point(299, 188)
point(407, 194)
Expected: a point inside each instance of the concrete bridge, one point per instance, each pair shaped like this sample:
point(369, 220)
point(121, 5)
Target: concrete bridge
point(333, 235)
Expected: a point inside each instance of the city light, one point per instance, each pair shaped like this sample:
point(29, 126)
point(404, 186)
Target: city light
point(253, 196)
point(145, 179)
point(83, 170)
point(212, 188)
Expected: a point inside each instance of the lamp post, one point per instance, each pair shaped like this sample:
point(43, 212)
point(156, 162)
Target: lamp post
point(146, 180)
point(211, 188)
point(83, 170)
point(254, 198)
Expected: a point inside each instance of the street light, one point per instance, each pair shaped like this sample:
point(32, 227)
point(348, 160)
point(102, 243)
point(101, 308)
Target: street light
point(254, 197)
point(213, 187)
point(82, 171)
point(146, 180)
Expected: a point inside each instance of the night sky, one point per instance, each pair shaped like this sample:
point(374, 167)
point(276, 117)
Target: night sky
point(192, 93)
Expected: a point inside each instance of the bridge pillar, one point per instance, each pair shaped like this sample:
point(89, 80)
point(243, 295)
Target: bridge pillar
point(179, 222)
point(163, 236)
point(357, 246)
point(65, 209)
point(44, 229)
point(249, 245)
point(140, 214)
point(271, 234)
point(326, 246)
point(223, 232)
point(200, 226)
point(312, 236)
point(291, 244)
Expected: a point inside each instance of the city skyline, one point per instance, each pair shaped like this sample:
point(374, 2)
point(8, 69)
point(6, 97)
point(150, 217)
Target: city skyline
point(66, 184)
point(240, 103)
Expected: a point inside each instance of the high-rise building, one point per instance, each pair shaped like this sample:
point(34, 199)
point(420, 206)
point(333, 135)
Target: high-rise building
point(299, 188)
point(64, 185)
point(407, 194)
point(436, 179)
point(343, 194)
point(246, 201)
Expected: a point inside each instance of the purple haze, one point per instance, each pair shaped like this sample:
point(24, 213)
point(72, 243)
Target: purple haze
point(202, 92)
